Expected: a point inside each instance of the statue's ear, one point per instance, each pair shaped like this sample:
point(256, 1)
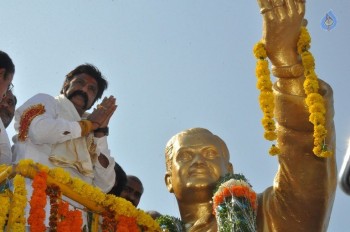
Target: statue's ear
point(230, 168)
point(168, 182)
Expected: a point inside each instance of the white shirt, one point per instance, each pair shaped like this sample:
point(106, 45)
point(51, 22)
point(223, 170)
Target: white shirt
point(5, 146)
point(50, 128)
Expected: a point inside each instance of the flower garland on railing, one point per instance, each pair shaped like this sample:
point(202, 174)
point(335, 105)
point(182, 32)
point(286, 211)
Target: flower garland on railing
point(127, 224)
point(4, 208)
point(37, 203)
point(54, 194)
point(121, 208)
point(69, 220)
point(16, 222)
point(62, 214)
point(314, 100)
point(108, 222)
point(266, 98)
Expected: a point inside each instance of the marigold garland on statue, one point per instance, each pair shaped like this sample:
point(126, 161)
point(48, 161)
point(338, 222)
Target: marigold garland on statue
point(235, 204)
point(314, 100)
point(266, 98)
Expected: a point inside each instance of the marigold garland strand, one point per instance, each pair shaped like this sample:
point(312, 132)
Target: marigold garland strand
point(54, 194)
point(16, 222)
point(36, 218)
point(266, 98)
point(314, 100)
point(121, 208)
point(4, 208)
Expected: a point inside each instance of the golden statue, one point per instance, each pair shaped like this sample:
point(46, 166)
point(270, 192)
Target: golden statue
point(303, 190)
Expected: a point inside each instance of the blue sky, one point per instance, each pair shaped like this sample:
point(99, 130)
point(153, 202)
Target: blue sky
point(172, 65)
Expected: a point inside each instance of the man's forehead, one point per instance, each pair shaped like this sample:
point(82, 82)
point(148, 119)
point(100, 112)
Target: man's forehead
point(135, 185)
point(86, 77)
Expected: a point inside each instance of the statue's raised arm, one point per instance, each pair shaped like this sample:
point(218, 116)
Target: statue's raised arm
point(302, 196)
point(281, 29)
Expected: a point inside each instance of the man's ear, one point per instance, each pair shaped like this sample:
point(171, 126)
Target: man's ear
point(168, 182)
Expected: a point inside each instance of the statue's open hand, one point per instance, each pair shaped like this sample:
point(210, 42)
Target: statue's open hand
point(104, 111)
point(282, 20)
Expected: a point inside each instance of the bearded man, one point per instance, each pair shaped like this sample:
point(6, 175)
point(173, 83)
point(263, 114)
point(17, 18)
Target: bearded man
point(57, 131)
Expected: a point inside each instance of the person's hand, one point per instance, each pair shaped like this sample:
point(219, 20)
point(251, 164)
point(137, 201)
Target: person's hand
point(282, 20)
point(102, 114)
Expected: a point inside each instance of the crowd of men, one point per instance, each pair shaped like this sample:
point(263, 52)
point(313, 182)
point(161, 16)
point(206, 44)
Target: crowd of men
point(77, 140)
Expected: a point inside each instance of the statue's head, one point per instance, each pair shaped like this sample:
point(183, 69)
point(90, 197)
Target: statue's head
point(195, 160)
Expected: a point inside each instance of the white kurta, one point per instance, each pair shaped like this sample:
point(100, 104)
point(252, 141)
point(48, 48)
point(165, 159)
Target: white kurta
point(5, 146)
point(53, 127)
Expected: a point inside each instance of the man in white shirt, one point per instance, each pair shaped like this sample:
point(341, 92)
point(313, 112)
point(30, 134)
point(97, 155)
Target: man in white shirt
point(7, 70)
point(7, 112)
point(57, 132)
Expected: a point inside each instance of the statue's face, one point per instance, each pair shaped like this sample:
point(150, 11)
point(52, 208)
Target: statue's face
point(198, 162)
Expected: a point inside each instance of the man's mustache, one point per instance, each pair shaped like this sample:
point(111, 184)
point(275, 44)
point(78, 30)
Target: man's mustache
point(82, 94)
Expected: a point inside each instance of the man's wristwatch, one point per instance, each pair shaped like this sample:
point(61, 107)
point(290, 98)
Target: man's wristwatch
point(104, 130)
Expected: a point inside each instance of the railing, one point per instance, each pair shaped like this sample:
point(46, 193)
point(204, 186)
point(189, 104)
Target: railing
point(109, 213)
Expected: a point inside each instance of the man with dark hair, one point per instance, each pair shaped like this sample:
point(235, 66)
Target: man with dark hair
point(88, 70)
point(58, 132)
point(7, 112)
point(7, 70)
point(133, 190)
point(120, 180)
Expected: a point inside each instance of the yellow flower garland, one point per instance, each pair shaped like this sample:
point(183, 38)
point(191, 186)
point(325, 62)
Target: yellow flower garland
point(16, 222)
point(119, 206)
point(4, 208)
point(266, 98)
point(314, 100)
